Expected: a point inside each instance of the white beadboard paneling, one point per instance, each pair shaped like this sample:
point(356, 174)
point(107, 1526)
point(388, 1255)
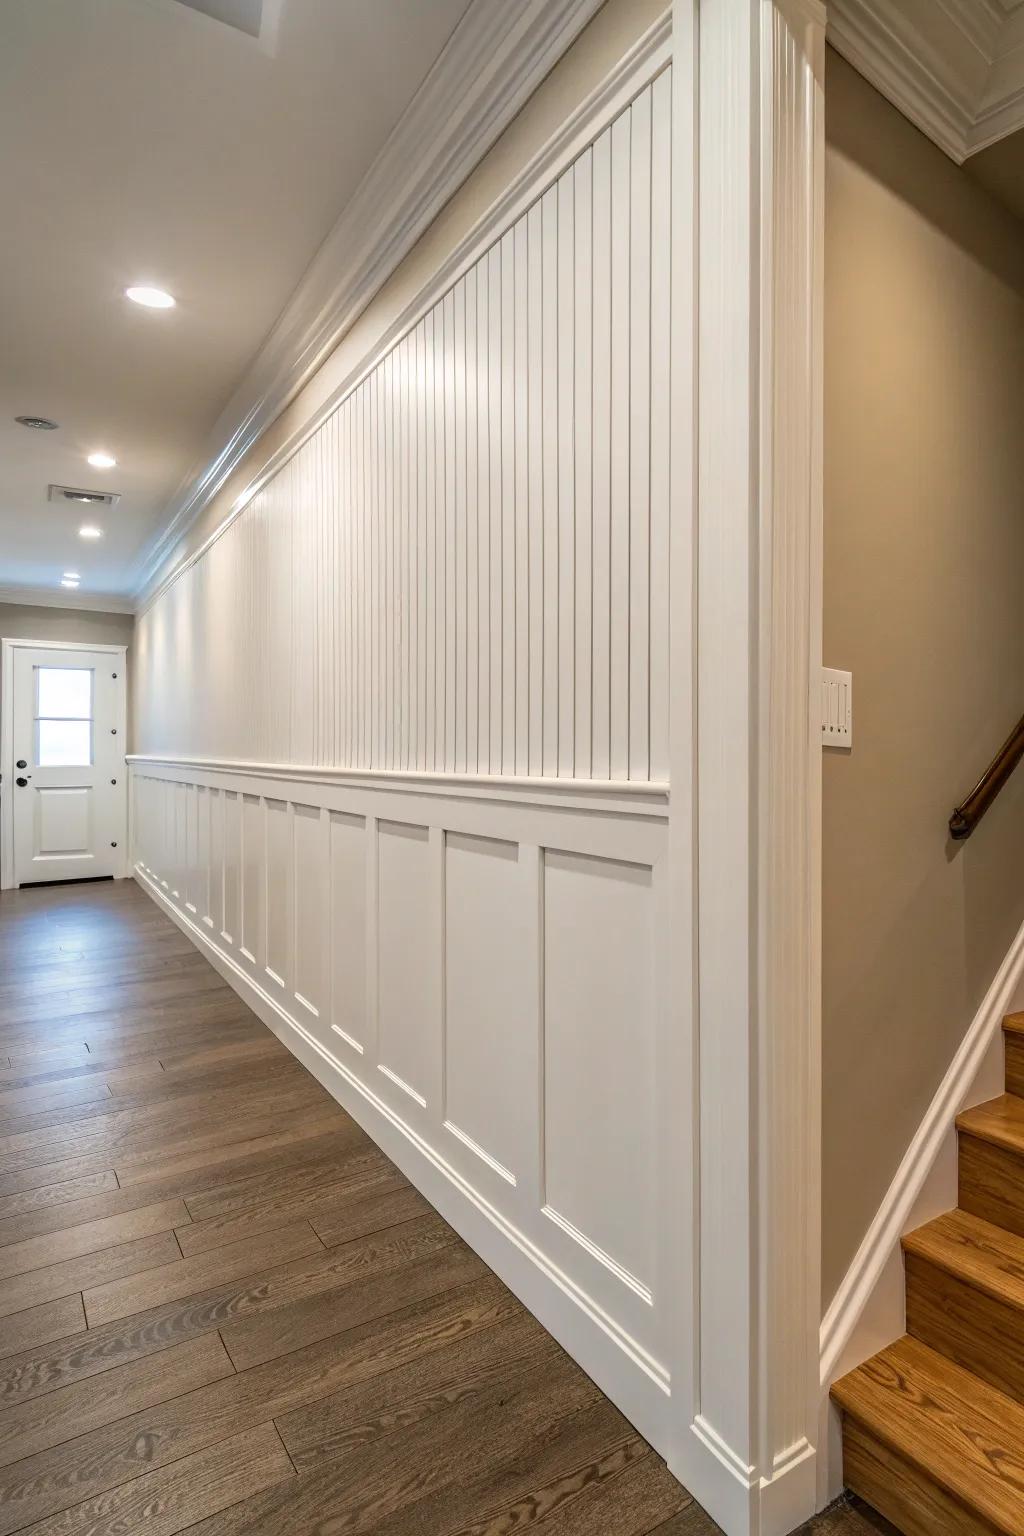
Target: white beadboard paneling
point(478, 972)
point(422, 678)
point(463, 568)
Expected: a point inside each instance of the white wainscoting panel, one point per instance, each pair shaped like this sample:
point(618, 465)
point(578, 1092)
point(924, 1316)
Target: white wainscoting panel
point(465, 567)
point(403, 761)
point(476, 976)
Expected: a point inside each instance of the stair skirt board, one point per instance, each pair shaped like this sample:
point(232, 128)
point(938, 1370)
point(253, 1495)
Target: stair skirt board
point(867, 1310)
point(933, 1424)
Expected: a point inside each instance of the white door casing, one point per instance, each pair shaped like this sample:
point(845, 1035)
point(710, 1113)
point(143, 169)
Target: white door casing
point(64, 775)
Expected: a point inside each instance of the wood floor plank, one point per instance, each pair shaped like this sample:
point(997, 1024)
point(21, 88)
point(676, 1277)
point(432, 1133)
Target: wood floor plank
point(167, 1501)
point(384, 1200)
point(441, 1439)
point(21, 1291)
point(203, 1257)
point(31, 1427)
point(42, 1484)
point(319, 1164)
point(17, 1102)
point(90, 1237)
point(170, 1281)
point(34, 1327)
point(75, 1213)
point(149, 1167)
point(65, 1192)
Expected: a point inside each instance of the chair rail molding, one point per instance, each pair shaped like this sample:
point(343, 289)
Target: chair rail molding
point(493, 62)
point(955, 68)
point(751, 1452)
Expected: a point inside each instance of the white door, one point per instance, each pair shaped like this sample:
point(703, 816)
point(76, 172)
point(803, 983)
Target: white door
point(67, 792)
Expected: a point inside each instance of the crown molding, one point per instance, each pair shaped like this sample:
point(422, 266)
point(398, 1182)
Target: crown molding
point(955, 68)
point(492, 63)
point(42, 597)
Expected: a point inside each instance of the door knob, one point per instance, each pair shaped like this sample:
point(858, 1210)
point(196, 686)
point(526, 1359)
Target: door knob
point(22, 781)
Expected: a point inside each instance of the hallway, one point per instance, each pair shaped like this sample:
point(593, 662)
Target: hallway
point(222, 1308)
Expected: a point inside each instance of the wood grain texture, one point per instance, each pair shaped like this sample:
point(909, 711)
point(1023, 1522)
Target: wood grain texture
point(958, 1434)
point(991, 1182)
point(248, 1258)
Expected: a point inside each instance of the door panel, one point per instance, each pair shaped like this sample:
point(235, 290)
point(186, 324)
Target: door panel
point(68, 795)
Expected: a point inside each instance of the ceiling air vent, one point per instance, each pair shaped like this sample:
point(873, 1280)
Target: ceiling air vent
point(84, 498)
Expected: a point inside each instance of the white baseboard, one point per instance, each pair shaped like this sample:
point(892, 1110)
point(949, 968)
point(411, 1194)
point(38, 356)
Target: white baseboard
point(869, 1309)
point(554, 1300)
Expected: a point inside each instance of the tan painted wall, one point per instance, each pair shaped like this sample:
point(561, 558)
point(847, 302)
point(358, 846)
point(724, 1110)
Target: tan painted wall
point(924, 560)
point(20, 621)
point(23, 621)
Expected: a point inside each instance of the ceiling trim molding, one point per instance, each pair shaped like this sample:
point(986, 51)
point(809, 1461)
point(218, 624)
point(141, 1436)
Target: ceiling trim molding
point(955, 68)
point(42, 597)
point(493, 62)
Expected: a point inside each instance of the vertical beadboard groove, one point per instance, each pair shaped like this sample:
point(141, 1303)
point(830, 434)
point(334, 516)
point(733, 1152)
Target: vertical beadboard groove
point(464, 568)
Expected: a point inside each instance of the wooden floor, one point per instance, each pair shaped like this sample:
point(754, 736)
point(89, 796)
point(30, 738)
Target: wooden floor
point(223, 1310)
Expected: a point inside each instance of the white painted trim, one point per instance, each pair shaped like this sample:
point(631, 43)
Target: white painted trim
point(493, 62)
point(868, 1310)
point(39, 597)
point(575, 1320)
point(642, 797)
point(639, 65)
point(953, 67)
point(7, 650)
point(752, 1448)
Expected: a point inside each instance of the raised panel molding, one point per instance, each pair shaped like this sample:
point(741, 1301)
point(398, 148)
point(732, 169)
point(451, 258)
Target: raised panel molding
point(955, 68)
point(494, 60)
point(471, 1049)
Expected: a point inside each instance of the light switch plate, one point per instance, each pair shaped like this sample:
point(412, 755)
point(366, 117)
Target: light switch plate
point(836, 708)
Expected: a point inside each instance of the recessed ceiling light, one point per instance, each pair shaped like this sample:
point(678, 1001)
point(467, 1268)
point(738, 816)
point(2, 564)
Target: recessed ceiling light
point(102, 460)
point(38, 423)
point(71, 576)
point(152, 298)
point(88, 531)
point(66, 583)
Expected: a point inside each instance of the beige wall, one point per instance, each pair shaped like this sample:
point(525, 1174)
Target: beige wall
point(924, 560)
point(20, 621)
point(80, 626)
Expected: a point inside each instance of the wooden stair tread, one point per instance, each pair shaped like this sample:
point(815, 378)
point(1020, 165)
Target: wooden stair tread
point(1013, 1024)
point(960, 1433)
point(999, 1121)
point(987, 1257)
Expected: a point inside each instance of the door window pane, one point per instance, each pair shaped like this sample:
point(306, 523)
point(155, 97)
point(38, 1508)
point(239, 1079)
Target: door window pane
point(65, 744)
point(65, 693)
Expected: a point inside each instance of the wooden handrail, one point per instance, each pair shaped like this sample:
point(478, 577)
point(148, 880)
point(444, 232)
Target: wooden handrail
point(967, 815)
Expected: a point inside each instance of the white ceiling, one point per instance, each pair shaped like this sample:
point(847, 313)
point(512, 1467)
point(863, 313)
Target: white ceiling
point(142, 141)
